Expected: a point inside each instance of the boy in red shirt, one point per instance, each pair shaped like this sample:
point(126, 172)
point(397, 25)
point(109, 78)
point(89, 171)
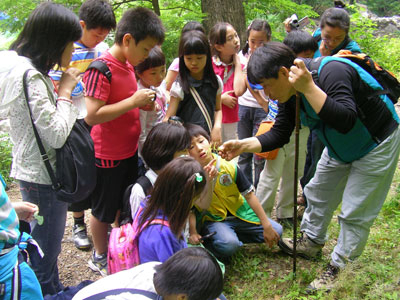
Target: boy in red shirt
point(113, 111)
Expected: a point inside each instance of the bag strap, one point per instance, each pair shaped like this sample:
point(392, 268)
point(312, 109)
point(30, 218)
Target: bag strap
point(226, 77)
point(159, 222)
point(55, 185)
point(102, 67)
point(145, 183)
point(202, 107)
point(102, 295)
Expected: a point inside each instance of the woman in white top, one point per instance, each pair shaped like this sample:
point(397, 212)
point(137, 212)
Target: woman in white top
point(46, 40)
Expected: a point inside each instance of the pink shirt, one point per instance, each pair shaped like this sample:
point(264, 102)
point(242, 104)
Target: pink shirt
point(229, 115)
point(116, 139)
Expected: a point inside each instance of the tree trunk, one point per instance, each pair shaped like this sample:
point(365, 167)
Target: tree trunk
point(156, 7)
point(230, 11)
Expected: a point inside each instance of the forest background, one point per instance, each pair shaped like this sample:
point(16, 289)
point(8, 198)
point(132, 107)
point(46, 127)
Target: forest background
point(257, 272)
point(239, 13)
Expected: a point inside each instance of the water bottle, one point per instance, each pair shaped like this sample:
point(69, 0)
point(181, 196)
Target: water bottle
point(78, 99)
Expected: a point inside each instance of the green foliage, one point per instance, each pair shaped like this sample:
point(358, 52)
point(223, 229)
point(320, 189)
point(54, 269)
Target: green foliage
point(6, 159)
point(275, 12)
point(17, 12)
point(174, 15)
point(382, 49)
point(383, 7)
point(318, 5)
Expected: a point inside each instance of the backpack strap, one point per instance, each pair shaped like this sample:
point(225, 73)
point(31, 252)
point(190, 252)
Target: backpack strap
point(101, 66)
point(102, 295)
point(159, 222)
point(145, 183)
point(202, 107)
point(313, 66)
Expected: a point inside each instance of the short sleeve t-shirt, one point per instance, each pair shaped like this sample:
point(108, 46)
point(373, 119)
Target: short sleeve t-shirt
point(81, 59)
point(116, 139)
point(174, 66)
point(247, 98)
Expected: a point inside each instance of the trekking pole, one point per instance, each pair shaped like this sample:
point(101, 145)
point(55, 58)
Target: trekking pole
point(296, 166)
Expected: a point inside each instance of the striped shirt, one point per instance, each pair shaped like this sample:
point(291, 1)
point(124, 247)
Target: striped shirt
point(272, 110)
point(81, 59)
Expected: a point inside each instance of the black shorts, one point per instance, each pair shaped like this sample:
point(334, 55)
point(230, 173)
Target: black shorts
point(81, 205)
point(113, 177)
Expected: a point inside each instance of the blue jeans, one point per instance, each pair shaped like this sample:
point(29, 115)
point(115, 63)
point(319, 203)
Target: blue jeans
point(232, 233)
point(48, 235)
point(249, 121)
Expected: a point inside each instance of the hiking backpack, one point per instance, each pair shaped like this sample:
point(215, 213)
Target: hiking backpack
point(388, 81)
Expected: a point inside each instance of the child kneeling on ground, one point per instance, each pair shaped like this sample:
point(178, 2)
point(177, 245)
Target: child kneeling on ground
point(235, 213)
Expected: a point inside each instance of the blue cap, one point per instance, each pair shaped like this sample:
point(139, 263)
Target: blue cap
point(255, 86)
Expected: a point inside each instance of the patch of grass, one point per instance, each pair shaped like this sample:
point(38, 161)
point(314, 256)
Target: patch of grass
point(257, 272)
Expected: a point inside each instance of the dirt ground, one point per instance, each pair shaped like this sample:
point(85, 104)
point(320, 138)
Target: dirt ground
point(72, 263)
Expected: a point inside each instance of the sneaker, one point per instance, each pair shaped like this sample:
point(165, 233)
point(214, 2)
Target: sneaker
point(80, 237)
point(98, 263)
point(325, 281)
point(305, 247)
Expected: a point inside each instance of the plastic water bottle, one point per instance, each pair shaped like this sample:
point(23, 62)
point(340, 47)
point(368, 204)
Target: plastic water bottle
point(78, 99)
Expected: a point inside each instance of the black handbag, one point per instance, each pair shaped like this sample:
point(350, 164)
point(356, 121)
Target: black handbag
point(75, 176)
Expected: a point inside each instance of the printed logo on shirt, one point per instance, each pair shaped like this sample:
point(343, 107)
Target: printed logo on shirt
point(225, 180)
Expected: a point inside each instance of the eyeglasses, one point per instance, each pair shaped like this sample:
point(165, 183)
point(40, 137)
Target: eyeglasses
point(333, 40)
point(175, 120)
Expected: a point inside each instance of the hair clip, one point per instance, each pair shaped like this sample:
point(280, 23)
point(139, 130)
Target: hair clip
point(175, 120)
point(199, 178)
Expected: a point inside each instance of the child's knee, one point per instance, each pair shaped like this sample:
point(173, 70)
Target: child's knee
point(227, 246)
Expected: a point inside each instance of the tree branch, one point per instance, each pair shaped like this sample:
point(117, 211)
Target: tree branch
point(177, 7)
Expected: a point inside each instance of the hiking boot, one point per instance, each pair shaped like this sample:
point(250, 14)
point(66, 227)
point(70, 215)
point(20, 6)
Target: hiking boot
point(98, 263)
point(81, 240)
point(325, 281)
point(305, 247)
